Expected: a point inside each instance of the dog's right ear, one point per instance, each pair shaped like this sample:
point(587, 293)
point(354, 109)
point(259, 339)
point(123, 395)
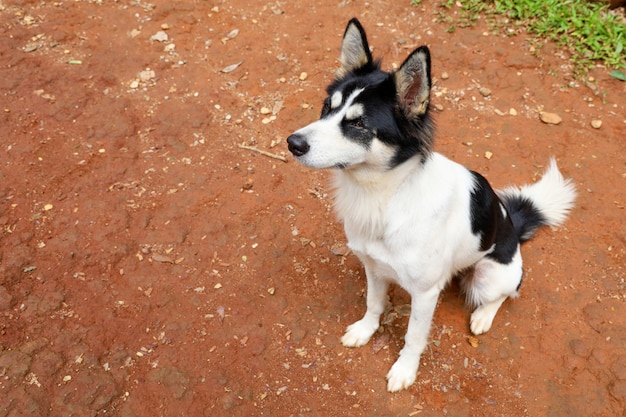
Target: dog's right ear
point(355, 51)
point(413, 82)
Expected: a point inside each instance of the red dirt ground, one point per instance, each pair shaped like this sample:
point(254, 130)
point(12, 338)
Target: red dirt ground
point(152, 267)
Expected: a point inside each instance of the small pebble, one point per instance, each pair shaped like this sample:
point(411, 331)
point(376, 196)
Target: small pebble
point(596, 124)
point(473, 341)
point(233, 34)
point(248, 184)
point(484, 91)
point(550, 118)
point(231, 68)
point(444, 75)
point(303, 76)
point(160, 36)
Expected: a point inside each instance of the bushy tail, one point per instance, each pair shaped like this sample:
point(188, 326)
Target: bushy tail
point(544, 203)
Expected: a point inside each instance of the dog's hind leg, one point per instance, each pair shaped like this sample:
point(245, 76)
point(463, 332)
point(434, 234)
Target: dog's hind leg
point(491, 284)
point(482, 317)
point(360, 332)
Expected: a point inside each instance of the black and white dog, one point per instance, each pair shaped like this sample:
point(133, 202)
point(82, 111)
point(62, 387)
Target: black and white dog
point(412, 216)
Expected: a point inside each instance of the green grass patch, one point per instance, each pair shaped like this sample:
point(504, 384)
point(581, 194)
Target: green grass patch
point(589, 32)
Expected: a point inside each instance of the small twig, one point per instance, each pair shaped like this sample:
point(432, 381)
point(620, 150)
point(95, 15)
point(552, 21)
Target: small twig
point(262, 152)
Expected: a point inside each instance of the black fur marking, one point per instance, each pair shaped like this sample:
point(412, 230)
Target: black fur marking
point(525, 216)
point(368, 76)
point(388, 116)
point(417, 137)
point(488, 221)
point(384, 116)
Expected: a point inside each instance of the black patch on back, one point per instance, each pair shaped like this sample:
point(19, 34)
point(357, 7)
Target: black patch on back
point(489, 222)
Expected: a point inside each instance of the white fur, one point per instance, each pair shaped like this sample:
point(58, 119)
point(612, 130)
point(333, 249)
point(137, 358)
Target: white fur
point(490, 285)
point(336, 99)
point(553, 195)
point(412, 226)
point(409, 220)
point(329, 148)
point(355, 111)
point(407, 226)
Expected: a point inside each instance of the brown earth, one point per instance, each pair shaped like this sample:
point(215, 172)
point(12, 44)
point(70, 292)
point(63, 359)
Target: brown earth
point(152, 267)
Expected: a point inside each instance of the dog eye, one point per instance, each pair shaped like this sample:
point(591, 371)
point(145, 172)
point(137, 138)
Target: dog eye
point(357, 123)
point(325, 107)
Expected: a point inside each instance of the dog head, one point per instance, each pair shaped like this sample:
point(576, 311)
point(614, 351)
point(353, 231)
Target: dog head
point(370, 119)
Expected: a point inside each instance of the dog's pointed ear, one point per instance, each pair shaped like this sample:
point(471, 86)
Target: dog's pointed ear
point(413, 82)
point(355, 51)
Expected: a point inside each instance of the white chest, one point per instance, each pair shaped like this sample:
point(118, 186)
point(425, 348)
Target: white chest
point(416, 228)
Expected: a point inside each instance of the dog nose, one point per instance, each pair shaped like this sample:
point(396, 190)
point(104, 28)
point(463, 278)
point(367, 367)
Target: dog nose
point(297, 145)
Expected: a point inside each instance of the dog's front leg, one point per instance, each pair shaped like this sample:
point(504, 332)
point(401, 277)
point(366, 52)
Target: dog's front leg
point(404, 371)
point(360, 332)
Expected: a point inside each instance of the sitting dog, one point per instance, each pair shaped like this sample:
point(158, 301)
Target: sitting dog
point(412, 216)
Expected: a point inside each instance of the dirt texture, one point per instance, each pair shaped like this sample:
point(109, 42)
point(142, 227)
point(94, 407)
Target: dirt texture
point(152, 266)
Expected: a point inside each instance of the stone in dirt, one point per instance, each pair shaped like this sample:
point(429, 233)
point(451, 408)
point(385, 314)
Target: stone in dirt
point(550, 118)
point(160, 36)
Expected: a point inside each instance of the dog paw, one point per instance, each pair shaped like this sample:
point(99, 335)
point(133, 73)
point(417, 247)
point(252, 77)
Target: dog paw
point(481, 320)
point(358, 334)
point(401, 376)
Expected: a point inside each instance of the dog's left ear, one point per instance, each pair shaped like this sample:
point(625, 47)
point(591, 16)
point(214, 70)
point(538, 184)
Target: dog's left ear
point(413, 82)
point(355, 51)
